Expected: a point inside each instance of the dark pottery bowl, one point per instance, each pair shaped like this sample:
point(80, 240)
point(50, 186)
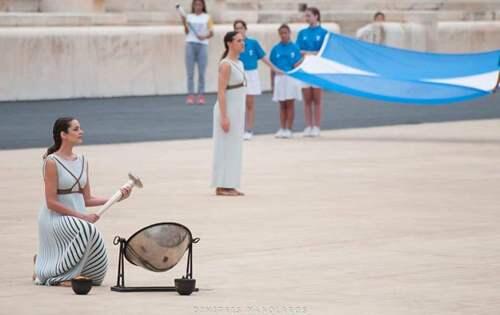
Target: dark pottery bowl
point(185, 286)
point(81, 286)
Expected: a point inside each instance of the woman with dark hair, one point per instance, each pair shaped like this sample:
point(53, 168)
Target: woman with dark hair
point(69, 243)
point(250, 58)
point(285, 56)
point(229, 118)
point(198, 27)
point(310, 40)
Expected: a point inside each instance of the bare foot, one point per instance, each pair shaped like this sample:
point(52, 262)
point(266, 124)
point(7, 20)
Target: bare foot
point(65, 284)
point(239, 193)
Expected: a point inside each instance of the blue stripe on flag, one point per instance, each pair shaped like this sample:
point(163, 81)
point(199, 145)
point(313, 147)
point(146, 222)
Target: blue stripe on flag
point(386, 89)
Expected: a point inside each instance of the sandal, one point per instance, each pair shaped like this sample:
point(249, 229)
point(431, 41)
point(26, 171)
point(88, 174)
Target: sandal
point(228, 192)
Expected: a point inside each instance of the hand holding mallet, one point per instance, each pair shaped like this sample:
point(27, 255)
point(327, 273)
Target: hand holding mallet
point(133, 181)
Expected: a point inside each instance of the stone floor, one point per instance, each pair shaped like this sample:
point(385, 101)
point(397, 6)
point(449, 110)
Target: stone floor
point(386, 220)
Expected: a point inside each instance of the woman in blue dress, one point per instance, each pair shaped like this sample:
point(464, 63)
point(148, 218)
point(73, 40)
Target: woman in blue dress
point(285, 56)
point(250, 58)
point(310, 40)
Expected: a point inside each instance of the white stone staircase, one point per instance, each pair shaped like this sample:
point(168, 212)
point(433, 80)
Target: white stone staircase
point(349, 14)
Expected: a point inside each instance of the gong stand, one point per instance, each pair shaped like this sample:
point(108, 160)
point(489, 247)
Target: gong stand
point(120, 280)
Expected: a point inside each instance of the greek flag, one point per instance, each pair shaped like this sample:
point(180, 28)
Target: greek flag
point(358, 68)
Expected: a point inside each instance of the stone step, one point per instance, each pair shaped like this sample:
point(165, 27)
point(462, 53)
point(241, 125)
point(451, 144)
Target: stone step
point(249, 5)
point(73, 6)
point(406, 5)
point(150, 5)
point(367, 15)
point(76, 6)
point(242, 5)
point(19, 5)
point(61, 19)
point(349, 20)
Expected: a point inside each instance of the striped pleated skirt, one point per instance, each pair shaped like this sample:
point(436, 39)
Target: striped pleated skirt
point(68, 247)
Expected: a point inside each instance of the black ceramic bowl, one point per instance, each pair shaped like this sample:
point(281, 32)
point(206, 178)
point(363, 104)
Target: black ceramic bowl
point(185, 286)
point(81, 285)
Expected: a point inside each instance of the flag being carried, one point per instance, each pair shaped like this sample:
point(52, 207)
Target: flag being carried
point(350, 66)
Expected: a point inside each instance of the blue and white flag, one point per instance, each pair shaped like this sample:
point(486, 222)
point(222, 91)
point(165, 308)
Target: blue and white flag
point(350, 66)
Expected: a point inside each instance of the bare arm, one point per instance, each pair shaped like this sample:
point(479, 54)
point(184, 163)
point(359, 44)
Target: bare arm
point(273, 74)
point(93, 201)
point(50, 180)
point(498, 83)
point(184, 22)
point(307, 52)
point(203, 37)
point(299, 62)
point(273, 68)
point(224, 73)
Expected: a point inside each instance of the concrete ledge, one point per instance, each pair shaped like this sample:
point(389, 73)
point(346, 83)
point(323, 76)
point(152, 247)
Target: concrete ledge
point(76, 62)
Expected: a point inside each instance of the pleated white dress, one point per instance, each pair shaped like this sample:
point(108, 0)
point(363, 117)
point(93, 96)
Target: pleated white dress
point(228, 146)
point(68, 246)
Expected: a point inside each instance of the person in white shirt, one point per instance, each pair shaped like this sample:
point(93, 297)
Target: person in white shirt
point(373, 32)
point(198, 27)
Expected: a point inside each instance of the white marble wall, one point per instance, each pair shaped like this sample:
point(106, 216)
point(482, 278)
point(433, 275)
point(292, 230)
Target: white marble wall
point(408, 35)
point(65, 62)
point(450, 37)
point(76, 62)
point(468, 36)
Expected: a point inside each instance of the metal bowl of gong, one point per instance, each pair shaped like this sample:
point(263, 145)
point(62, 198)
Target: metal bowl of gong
point(158, 248)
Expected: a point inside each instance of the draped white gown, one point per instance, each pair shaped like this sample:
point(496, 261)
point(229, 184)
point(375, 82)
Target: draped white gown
point(68, 246)
point(227, 160)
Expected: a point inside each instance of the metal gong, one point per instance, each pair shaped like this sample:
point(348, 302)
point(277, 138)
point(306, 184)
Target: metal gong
point(158, 248)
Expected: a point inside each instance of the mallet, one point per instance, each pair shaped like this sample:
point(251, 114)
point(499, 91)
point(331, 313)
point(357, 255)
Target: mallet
point(133, 181)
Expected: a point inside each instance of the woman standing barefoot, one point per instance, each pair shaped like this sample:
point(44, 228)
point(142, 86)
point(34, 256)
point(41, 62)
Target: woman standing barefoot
point(229, 118)
point(69, 243)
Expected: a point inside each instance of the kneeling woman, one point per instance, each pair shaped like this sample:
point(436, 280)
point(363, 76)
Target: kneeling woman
point(69, 243)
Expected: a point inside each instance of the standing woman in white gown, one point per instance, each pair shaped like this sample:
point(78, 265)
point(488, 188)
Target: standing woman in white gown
point(69, 243)
point(229, 118)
